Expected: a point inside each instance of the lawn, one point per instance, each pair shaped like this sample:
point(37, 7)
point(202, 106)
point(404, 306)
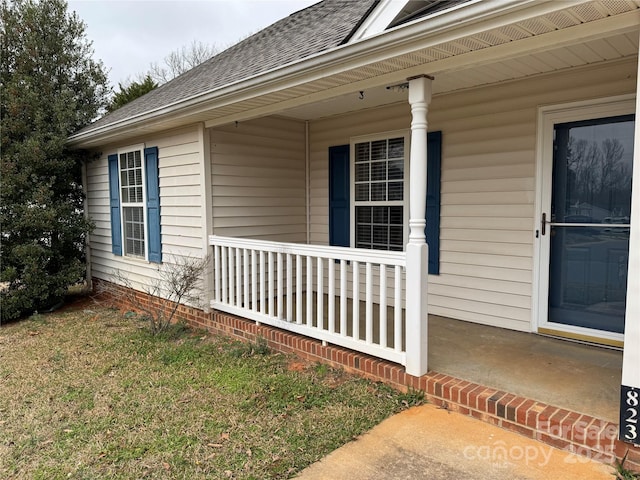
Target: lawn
point(88, 393)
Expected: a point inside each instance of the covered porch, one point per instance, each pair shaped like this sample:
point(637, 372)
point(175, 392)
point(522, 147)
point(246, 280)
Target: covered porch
point(477, 320)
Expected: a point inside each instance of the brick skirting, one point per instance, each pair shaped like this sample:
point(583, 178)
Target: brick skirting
point(571, 431)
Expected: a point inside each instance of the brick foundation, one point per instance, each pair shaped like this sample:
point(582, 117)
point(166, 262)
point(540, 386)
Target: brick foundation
point(578, 433)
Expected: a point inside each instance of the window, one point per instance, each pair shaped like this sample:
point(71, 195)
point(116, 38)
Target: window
point(132, 194)
point(368, 194)
point(379, 194)
point(135, 203)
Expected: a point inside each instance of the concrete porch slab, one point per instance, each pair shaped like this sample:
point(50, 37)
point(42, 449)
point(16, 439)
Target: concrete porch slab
point(577, 377)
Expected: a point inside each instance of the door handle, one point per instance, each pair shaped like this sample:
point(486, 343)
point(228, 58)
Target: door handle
point(543, 224)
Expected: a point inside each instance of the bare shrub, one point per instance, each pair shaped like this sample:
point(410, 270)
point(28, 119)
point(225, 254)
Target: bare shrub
point(177, 283)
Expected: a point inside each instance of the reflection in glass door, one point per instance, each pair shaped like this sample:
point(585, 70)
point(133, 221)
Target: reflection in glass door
point(589, 224)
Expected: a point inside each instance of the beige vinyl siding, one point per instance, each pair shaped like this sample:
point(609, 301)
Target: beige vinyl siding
point(180, 205)
point(488, 215)
point(258, 180)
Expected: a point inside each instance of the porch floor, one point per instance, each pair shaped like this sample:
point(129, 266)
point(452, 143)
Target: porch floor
point(577, 377)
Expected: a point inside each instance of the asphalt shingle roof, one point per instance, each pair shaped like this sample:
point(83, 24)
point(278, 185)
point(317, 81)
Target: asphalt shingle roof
point(317, 28)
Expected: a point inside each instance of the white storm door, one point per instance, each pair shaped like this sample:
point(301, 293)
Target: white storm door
point(587, 156)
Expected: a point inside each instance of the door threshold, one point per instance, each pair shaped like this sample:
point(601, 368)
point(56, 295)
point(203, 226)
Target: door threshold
point(582, 338)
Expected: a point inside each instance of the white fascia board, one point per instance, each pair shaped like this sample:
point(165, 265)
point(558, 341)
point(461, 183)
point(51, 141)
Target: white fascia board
point(475, 18)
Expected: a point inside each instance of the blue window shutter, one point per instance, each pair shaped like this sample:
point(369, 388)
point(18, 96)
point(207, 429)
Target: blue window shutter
point(432, 231)
point(339, 187)
point(114, 205)
point(154, 241)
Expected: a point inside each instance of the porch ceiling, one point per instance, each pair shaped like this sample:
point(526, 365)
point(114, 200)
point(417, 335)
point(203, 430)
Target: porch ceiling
point(532, 38)
point(615, 47)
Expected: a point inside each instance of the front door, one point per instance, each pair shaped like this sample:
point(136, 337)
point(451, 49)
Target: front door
point(585, 228)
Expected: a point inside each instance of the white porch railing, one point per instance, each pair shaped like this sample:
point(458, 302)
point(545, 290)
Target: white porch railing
point(315, 291)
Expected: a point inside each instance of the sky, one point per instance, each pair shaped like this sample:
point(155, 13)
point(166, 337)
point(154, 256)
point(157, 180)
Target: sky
point(128, 35)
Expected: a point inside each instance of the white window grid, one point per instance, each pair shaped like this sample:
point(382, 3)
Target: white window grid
point(133, 201)
point(378, 189)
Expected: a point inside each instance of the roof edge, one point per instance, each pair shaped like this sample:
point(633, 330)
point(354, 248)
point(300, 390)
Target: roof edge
point(387, 41)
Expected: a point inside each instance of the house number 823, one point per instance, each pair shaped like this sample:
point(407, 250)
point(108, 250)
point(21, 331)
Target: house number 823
point(629, 414)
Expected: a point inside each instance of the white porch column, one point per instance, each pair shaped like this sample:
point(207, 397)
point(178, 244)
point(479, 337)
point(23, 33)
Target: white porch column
point(630, 389)
point(417, 250)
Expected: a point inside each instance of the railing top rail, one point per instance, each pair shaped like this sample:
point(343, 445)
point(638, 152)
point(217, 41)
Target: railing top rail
point(322, 251)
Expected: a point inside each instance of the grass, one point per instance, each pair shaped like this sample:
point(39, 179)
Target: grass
point(90, 394)
point(623, 473)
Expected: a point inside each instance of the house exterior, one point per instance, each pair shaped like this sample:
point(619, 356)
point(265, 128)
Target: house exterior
point(310, 159)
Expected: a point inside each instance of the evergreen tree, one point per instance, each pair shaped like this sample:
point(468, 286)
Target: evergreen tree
point(51, 87)
point(130, 92)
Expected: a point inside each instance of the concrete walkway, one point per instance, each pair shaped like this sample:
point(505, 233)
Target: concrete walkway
point(431, 443)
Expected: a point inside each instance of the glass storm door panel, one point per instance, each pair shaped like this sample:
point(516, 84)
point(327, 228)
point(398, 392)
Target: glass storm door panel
point(589, 224)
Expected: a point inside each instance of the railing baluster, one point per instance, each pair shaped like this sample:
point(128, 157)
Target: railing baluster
point(289, 292)
point(232, 275)
point(245, 287)
point(356, 300)
point(343, 298)
point(331, 292)
point(271, 282)
point(383, 305)
point(397, 310)
point(299, 289)
point(309, 291)
point(280, 302)
point(254, 281)
point(263, 298)
point(239, 288)
point(217, 267)
point(320, 295)
point(368, 303)
point(224, 252)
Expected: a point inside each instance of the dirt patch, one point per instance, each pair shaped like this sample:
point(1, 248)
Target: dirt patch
point(297, 366)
